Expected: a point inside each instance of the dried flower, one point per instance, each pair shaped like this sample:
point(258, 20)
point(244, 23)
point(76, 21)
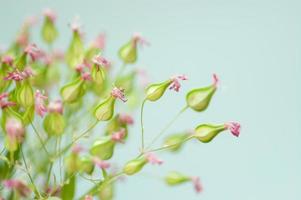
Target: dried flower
point(118, 93)
point(234, 127)
point(56, 106)
point(153, 159)
point(33, 51)
point(101, 61)
point(100, 41)
point(4, 103)
point(50, 14)
point(119, 135)
point(20, 75)
point(8, 60)
point(175, 85)
point(40, 106)
point(126, 119)
point(101, 163)
point(197, 184)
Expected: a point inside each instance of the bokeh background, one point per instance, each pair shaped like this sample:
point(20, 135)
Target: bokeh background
point(253, 45)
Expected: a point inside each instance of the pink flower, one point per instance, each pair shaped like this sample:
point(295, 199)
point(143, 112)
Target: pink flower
point(8, 60)
point(86, 76)
point(56, 106)
point(15, 131)
point(119, 135)
point(33, 51)
point(100, 41)
point(234, 127)
point(76, 149)
point(101, 163)
point(88, 197)
point(175, 85)
point(153, 159)
point(215, 80)
point(3, 101)
point(138, 39)
point(50, 14)
point(118, 93)
point(18, 185)
point(19, 75)
point(126, 119)
point(76, 26)
point(101, 61)
point(40, 107)
point(197, 184)
point(80, 67)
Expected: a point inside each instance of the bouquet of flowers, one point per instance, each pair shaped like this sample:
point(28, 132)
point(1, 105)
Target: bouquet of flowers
point(53, 101)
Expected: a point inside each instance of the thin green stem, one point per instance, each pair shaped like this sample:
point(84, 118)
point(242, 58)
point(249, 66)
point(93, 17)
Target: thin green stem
point(30, 177)
point(76, 139)
point(167, 126)
point(119, 73)
point(40, 139)
point(170, 146)
point(142, 126)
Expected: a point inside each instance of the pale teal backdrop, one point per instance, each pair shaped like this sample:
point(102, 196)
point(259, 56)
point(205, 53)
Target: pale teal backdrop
point(255, 48)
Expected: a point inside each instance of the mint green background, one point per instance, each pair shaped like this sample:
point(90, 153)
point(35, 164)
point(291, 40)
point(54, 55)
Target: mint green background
point(254, 46)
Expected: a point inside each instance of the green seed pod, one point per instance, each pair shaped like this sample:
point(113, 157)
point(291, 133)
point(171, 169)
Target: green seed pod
point(105, 110)
point(176, 178)
point(106, 191)
point(49, 31)
point(86, 165)
point(75, 53)
point(128, 52)
point(134, 166)
point(175, 141)
point(206, 132)
point(72, 163)
point(54, 124)
point(28, 115)
point(103, 148)
point(25, 95)
point(72, 92)
point(199, 99)
point(155, 91)
point(98, 75)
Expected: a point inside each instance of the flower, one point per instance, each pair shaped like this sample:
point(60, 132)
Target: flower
point(175, 84)
point(56, 106)
point(138, 39)
point(118, 93)
point(7, 59)
point(17, 75)
point(101, 61)
point(100, 41)
point(33, 51)
point(153, 159)
point(197, 184)
point(15, 130)
point(50, 14)
point(40, 107)
point(126, 119)
point(234, 127)
point(101, 163)
point(18, 185)
point(119, 135)
point(76, 149)
point(3, 102)
point(86, 76)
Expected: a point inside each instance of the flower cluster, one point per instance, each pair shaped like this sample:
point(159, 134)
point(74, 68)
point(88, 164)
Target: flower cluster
point(52, 102)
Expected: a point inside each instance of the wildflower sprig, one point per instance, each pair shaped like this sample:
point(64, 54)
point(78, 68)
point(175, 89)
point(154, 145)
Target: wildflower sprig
point(50, 132)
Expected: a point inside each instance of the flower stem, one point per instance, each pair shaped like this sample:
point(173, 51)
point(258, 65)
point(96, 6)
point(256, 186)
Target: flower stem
point(40, 139)
point(76, 139)
point(167, 126)
point(170, 146)
point(36, 191)
point(142, 126)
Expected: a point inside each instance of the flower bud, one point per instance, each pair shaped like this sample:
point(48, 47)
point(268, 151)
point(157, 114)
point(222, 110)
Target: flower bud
point(206, 132)
point(175, 141)
point(176, 178)
point(49, 31)
point(73, 91)
point(75, 53)
point(105, 110)
point(86, 164)
point(54, 124)
point(199, 99)
point(72, 163)
point(134, 166)
point(155, 91)
point(98, 75)
point(25, 95)
point(103, 148)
